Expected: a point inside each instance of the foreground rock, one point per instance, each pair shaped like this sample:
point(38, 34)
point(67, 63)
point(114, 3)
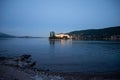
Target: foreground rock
point(23, 61)
point(22, 68)
point(11, 73)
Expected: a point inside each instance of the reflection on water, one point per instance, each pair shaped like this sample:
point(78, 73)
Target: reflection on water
point(63, 42)
point(60, 41)
point(52, 42)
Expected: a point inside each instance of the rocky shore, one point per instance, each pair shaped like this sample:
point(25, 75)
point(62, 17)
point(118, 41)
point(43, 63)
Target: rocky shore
point(22, 68)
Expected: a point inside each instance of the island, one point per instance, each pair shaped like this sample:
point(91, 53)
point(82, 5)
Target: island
point(59, 36)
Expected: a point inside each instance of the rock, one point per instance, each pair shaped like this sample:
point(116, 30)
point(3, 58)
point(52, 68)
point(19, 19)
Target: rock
point(23, 61)
point(2, 58)
point(24, 57)
point(32, 64)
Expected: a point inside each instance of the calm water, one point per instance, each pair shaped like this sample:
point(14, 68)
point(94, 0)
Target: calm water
point(66, 55)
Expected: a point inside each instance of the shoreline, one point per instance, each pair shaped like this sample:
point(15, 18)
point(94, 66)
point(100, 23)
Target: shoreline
point(8, 66)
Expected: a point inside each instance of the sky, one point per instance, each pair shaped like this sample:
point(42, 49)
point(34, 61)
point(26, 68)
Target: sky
point(39, 17)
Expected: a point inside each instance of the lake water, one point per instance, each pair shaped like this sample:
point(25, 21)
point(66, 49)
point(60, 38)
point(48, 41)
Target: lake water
point(66, 55)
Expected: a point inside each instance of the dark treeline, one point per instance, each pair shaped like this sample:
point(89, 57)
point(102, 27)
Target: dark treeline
point(111, 33)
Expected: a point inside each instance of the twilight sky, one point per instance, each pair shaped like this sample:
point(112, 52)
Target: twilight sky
point(39, 17)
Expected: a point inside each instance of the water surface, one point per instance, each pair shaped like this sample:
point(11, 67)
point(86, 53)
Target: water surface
point(66, 55)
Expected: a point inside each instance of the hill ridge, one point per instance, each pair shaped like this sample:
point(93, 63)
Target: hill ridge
point(110, 33)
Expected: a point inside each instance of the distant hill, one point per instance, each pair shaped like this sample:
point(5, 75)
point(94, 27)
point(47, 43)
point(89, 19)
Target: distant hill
point(111, 33)
point(3, 35)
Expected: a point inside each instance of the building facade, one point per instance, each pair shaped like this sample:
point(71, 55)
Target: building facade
point(62, 35)
point(59, 36)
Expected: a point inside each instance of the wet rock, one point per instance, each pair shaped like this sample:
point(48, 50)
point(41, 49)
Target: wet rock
point(23, 61)
point(2, 58)
point(24, 57)
point(32, 64)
